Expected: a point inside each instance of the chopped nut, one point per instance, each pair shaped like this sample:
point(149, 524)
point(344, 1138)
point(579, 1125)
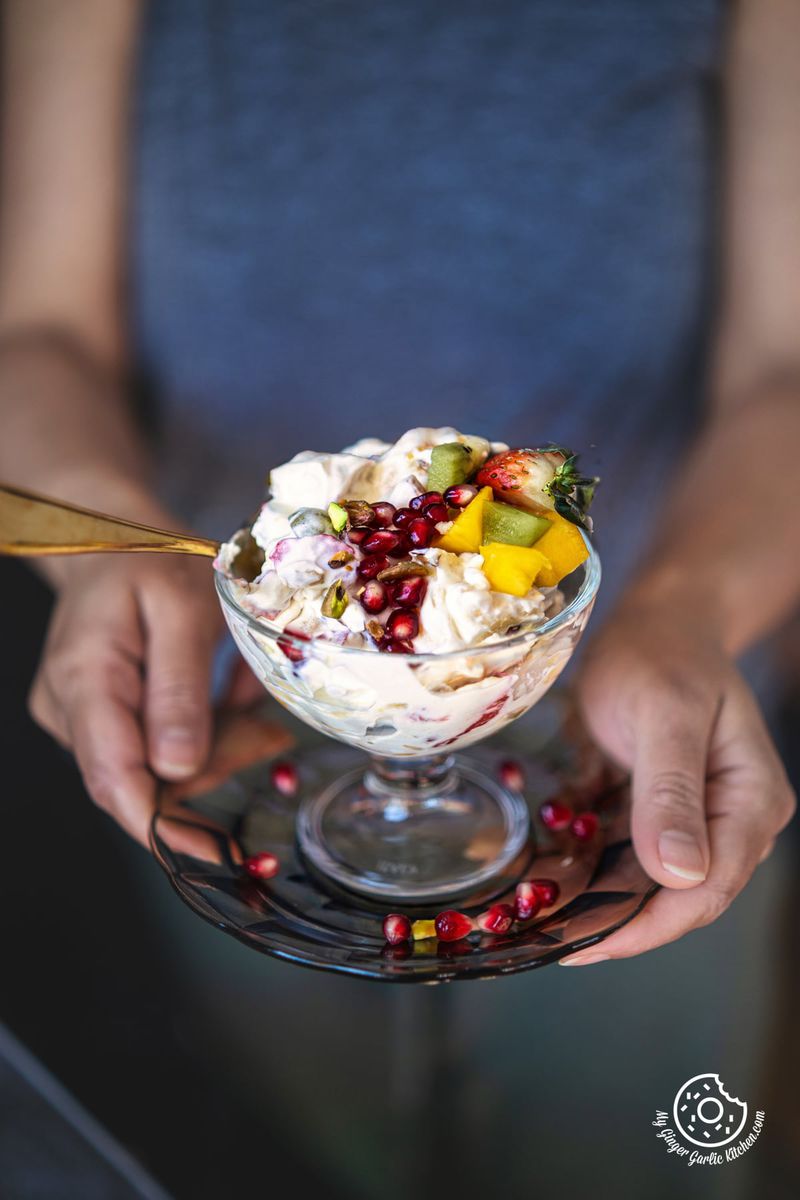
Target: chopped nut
point(376, 630)
point(335, 600)
point(358, 512)
point(340, 559)
point(405, 569)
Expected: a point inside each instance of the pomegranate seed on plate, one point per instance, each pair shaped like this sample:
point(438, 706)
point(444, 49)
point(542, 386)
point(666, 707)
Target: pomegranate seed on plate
point(409, 593)
point(396, 928)
point(436, 513)
point(419, 502)
point(420, 533)
point(382, 541)
point(262, 866)
point(402, 516)
point(370, 566)
point(460, 495)
point(356, 535)
point(452, 925)
point(293, 653)
point(512, 775)
point(547, 890)
point(284, 778)
point(555, 816)
point(584, 826)
point(374, 597)
point(403, 625)
point(497, 919)
point(527, 901)
point(384, 513)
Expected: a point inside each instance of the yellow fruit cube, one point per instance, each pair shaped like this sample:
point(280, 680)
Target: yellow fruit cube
point(564, 546)
point(464, 535)
point(423, 929)
point(512, 569)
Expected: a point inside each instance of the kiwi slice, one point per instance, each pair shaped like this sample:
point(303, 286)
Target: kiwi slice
point(513, 526)
point(451, 463)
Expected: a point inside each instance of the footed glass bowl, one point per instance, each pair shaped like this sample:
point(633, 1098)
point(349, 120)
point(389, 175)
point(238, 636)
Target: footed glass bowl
point(413, 824)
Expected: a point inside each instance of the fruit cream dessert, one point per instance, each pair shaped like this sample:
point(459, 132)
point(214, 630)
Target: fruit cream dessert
point(442, 545)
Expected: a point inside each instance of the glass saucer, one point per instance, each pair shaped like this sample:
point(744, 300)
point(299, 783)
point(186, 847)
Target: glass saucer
point(204, 829)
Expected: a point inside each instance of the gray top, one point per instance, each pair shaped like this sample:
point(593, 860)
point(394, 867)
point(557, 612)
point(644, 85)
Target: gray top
point(350, 218)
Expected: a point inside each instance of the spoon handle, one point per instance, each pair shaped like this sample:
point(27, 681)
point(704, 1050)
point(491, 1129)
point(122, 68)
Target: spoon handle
point(31, 524)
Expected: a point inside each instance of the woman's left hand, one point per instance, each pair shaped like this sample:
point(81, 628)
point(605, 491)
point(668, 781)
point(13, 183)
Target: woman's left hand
point(709, 792)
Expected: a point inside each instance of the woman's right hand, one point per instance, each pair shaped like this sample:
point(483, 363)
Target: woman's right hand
point(123, 681)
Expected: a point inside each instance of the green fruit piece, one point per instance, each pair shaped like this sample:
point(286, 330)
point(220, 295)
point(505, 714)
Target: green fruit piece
point(512, 526)
point(451, 463)
point(307, 522)
point(338, 516)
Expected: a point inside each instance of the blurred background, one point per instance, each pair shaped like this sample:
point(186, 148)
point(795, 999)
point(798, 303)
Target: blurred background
point(221, 1070)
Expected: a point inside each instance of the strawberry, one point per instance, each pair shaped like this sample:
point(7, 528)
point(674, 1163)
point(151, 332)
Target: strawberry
point(541, 480)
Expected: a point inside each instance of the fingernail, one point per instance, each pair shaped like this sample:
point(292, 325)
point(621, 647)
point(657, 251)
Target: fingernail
point(681, 854)
point(583, 959)
point(176, 751)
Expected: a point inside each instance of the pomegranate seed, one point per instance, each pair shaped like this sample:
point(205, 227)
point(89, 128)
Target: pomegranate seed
point(374, 597)
point(584, 826)
point(512, 775)
point(409, 593)
point(436, 513)
point(555, 816)
point(284, 778)
point(497, 919)
point(383, 541)
point(396, 928)
point(420, 533)
point(370, 566)
point(384, 513)
point(420, 502)
point(402, 625)
point(395, 646)
point(547, 890)
point(402, 517)
point(262, 866)
point(460, 495)
point(356, 535)
point(293, 653)
point(527, 901)
point(452, 925)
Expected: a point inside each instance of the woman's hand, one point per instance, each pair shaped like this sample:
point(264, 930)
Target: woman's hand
point(709, 791)
point(124, 678)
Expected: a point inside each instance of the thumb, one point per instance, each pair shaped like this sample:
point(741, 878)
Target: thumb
point(668, 819)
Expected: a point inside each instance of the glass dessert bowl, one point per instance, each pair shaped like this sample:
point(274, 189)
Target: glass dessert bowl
point(418, 822)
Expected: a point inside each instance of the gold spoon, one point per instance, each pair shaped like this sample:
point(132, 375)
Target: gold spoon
point(31, 524)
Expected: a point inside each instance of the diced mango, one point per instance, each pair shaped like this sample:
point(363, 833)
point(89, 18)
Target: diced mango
point(423, 929)
point(512, 569)
point(466, 532)
point(564, 546)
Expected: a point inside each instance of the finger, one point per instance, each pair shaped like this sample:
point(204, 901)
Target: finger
point(243, 687)
point(108, 744)
point(177, 677)
point(668, 818)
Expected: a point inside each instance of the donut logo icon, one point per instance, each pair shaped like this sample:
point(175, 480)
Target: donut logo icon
point(705, 1114)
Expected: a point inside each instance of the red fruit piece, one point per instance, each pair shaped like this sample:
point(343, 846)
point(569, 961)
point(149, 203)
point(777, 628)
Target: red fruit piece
point(262, 866)
point(460, 495)
point(497, 919)
point(384, 513)
point(584, 826)
point(374, 597)
point(436, 512)
point(402, 517)
point(419, 502)
point(396, 928)
point(420, 533)
point(409, 593)
point(512, 775)
point(284, 778)
point(452, 925)
point(527, 901)
point(372, 565)
point(403, 625)
point(382, 541)
point(357, 534)
point(556, 816)
point(292, 651)
point(547, 890)
point(392, 645)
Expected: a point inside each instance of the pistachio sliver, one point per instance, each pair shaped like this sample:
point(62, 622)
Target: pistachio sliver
point(335, 600)
point(358, 512)
point(340, 559)
point(338, 516)
point(405, 570)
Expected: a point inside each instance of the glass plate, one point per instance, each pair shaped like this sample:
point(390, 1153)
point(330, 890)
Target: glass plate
point(204, 829)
